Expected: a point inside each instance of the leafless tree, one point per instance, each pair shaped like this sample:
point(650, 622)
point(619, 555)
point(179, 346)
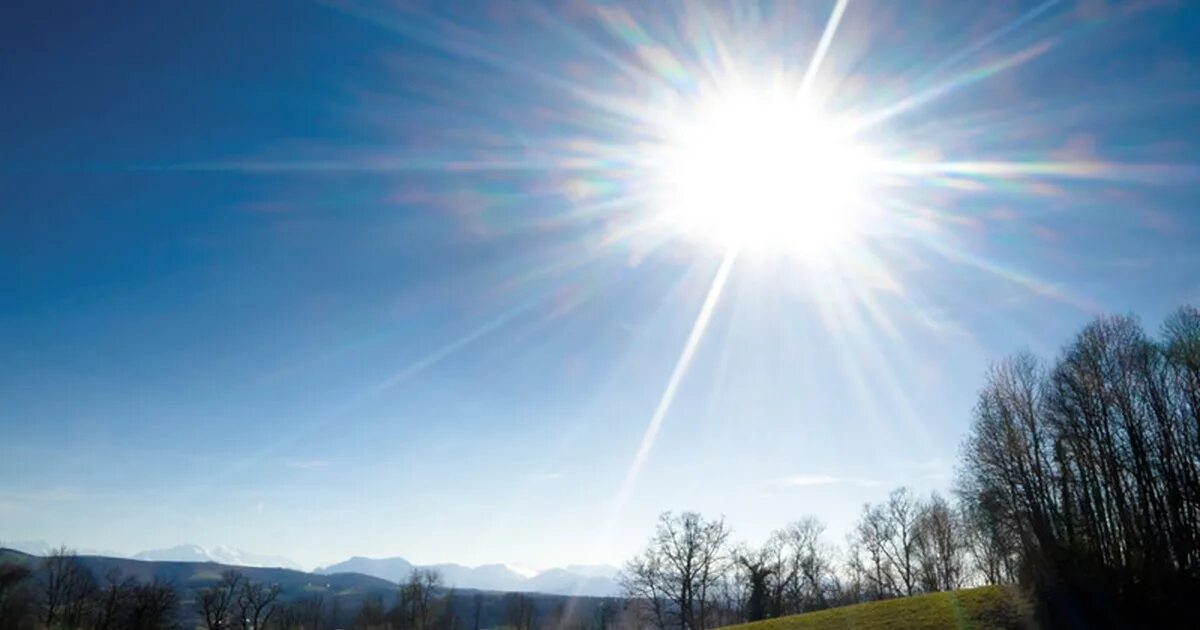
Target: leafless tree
point(678, 571)
point(416, 606)
point(519, 611)
point(256, 603)
point(113, 600)
point(870, 553)
point(1092, 466)
point(18, 599)
point(217, 603)
point(756, 569)
point(152, 606)
point(370, 614)
point(477, 610)
point(67, 590)
point(940, 545)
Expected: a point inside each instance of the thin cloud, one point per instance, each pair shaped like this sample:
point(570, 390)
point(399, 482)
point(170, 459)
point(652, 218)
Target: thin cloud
point(549, 476)
point(306, 464)
point(804, 481)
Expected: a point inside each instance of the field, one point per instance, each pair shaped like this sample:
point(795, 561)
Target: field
point(985, 608)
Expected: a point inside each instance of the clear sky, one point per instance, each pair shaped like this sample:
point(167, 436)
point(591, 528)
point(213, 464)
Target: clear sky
point(392, 279)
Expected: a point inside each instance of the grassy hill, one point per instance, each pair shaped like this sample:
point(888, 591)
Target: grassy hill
point(984, 608)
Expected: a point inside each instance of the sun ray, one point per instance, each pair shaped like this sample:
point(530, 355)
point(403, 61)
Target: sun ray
point(835, 18)
point(681, 366)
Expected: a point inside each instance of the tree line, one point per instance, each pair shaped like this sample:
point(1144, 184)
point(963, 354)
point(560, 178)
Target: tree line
point(61, 593)
point(691, 576)
point(1079, 482)
point(1085, 472)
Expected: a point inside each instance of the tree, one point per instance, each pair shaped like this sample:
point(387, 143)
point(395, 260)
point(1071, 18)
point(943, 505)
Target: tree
point(370, 614)
point(67, 590)
point(757, 570)
point(684, 561)
point(519, 611)
point(152, 606)
point(476, 610)
point(939, 545)
point(869, 553)
point(415, 608)
point(18, 601)
point(217, 603)
point(256, 603)
point(1090, 468)
point(114, 600)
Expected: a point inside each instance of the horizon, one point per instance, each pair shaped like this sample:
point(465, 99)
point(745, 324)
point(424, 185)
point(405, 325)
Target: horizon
point(500, 283)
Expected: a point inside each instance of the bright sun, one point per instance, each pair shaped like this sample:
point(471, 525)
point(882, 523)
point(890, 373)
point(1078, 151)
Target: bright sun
point(756, 171)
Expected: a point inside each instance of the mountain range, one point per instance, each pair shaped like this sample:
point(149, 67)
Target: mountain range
point(343, 593)
point(593, 580)
point(219, 554)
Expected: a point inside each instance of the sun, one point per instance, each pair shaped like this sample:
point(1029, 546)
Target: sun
point(762, 170)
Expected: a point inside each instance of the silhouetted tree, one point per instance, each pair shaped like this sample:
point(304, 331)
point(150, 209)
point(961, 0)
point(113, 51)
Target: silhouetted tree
point(1092, 467)
point(256, 603)
point(217, 603)
point(18, 599)
point(152, 606)
point(370, 614)
point(676, 573)
point(68, 589)
point(519, 611)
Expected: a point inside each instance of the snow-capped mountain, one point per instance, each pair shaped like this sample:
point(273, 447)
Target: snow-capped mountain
point(219, 554)
point(598, 580)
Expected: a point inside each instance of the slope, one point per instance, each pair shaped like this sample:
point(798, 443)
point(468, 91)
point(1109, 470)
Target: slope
point(984, 608)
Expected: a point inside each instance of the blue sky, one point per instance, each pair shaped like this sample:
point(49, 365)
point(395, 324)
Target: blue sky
point(377, 279)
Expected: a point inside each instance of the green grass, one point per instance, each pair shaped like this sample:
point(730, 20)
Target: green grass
point(984, 608)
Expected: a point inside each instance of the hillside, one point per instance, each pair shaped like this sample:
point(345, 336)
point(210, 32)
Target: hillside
point(345, 590)
point(984, 608)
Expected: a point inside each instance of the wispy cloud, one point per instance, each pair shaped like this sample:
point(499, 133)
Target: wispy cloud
point(547, 476)
point(306, 464)
point(806, 480)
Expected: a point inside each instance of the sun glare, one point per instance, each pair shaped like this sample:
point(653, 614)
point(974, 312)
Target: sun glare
point(756, 171)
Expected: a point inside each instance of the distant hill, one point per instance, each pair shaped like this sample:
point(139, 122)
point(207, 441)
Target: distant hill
point(588, 580)
point(985, 608)
point(392, 569)
point(345, 589)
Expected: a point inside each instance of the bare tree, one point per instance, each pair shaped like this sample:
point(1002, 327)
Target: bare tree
point(416, 603)
point(757, 569)
point(940, 545)
point(18, 600)
point(152, 606)
point(1091, 466)
point(872, 537)
point(685, 560)
point(477, 610)
point(519, 611)
point(67, 590)
point(114, 600)
point(217, 603)
point(370, 614)
point(256, 603)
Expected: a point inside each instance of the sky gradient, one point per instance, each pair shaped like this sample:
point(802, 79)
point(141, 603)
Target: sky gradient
point(322, 280)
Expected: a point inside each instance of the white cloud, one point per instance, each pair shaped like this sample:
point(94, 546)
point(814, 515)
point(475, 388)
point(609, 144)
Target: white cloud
point(802, 481)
